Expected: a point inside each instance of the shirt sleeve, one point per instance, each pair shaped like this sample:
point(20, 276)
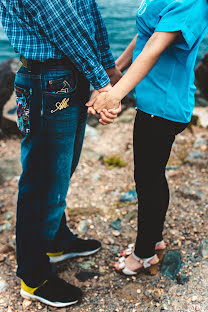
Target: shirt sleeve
point(102, 38)
point(61, 24)
point(178, 16)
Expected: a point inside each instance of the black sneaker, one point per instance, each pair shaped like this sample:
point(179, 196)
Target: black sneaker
point(81, 248)
point(54, 292)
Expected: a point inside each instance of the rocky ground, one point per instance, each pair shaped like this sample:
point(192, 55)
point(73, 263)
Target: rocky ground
point(95, 209)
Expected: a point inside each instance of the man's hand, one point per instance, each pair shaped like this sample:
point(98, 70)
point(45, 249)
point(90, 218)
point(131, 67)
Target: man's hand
point(104, 100)
point(108, 117)
point(114, 74)
point(91, 110)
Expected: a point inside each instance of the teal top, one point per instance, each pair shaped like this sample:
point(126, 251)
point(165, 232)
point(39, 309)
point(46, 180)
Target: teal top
point(168, 91)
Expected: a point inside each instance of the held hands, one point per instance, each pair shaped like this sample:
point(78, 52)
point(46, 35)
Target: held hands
point(106, 105)
point(103, 102)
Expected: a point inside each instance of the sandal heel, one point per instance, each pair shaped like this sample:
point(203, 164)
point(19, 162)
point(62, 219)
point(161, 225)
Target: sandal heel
point(160, 253)
point(153, 270)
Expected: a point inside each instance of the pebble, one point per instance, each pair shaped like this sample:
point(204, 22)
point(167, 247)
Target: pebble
point(131, 215)
point(116, 233)
point(3, 285)
point(190, 193)
point(195, 155)
point(116, 224)
point(86, 265)
point(91, 132)
point(182, 279)
point(194, 298)
point(82, 226)
point(200, 142)
point(203, 248)
point(130, 196)
point(26, 303)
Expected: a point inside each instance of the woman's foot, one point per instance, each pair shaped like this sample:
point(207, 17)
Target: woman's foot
point(158, 246)
point(131, 265)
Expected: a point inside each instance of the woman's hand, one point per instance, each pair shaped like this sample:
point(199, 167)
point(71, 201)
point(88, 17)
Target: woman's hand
point(104, 100)
point(107, 117)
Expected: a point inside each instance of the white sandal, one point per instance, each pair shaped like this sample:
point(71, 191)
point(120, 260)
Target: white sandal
point(152, 268)
point(130, 249)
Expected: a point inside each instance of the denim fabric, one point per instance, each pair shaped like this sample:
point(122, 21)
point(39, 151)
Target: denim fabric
point(55, 119)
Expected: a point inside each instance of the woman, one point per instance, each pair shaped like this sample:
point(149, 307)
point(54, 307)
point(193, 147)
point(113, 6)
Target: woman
point(162, 72)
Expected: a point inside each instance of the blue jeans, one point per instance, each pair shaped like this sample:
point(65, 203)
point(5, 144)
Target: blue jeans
point(52, 115)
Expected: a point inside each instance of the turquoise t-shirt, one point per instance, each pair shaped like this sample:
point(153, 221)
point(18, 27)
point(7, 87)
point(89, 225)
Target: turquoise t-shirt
point(168, 91)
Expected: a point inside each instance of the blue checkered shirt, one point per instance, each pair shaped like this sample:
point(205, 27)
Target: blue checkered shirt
point(51, 29)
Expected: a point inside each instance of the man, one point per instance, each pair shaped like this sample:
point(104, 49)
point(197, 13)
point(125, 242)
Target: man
point(64, 47)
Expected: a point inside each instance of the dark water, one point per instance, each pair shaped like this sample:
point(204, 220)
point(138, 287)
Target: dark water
point(119, 16)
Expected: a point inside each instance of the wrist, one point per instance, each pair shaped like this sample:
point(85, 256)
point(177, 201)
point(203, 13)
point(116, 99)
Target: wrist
point(119, 65)
point(116, 94)
point(107, 88)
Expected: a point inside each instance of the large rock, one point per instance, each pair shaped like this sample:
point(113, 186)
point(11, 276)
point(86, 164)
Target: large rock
point(202, 114)
point(201, 74)
point(7, 76)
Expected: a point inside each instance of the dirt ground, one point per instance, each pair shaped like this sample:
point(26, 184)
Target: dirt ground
point(93, 203)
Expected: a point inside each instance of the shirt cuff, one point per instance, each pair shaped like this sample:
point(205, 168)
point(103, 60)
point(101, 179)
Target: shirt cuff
point(97, 77)
point(107, 59)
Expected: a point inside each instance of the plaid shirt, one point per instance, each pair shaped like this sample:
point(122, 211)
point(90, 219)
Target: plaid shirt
point(51, 29)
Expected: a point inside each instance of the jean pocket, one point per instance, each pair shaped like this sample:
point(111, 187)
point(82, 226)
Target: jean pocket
point(23, 101)
point(63, 85)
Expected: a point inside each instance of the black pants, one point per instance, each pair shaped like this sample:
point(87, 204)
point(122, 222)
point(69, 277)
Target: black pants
point(153, 140)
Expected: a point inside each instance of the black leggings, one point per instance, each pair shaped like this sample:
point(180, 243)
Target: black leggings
point(153, 140)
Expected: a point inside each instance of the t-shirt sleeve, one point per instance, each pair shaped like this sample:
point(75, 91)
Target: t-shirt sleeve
point(181, 16)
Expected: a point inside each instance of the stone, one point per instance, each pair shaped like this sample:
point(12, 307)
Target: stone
point(195, 155)
point(203, 248)
point(86, 265)
point(84, 276)
point(116, 224)
point(202, 114)
point(189, 193)
point(7, 76)
point(130, 196)
point(91, 132)
point(9, 168)
point(26, 303)
point(9, 216)
point(131, 215)
point(171, 264)
point(194, 298)
point(201, 74)
point(3, 286)
point(82, 226)
point(182, 279)
point(90, 155)
point(6, 226)
point(116, 233)
point(200, 142)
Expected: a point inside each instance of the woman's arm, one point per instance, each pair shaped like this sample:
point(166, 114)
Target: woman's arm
point(125, 60)
point(149, 56)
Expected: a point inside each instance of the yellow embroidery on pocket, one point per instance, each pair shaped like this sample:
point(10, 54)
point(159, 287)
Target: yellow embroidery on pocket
point(61, 105)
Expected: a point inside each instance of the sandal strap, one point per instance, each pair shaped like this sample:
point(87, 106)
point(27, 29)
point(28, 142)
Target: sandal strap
point(144, 261)
point(158, 243)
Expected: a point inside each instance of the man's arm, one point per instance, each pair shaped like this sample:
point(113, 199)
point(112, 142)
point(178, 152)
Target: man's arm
point(65, 29)
point(102, 40)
